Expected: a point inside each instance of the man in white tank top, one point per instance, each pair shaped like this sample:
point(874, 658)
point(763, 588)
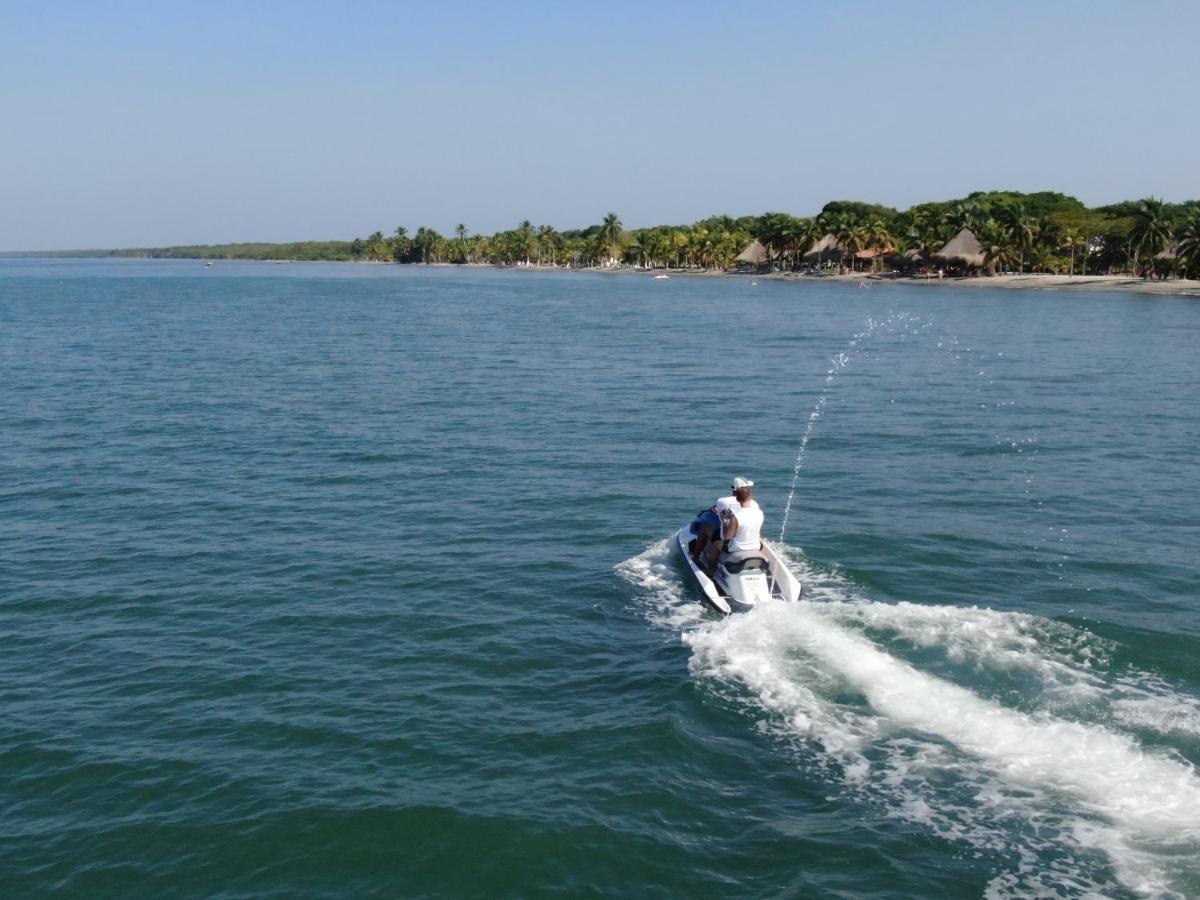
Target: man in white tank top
point(742, 527)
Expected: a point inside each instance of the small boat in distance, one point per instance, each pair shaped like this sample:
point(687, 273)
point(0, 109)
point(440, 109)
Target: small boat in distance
point(657, 277)
point(741, 581)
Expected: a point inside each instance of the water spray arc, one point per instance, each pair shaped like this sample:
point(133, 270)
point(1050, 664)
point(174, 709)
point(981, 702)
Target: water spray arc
point(837, 364)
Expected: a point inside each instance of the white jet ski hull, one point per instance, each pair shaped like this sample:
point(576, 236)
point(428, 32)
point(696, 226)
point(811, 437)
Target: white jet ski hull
point(723, 592)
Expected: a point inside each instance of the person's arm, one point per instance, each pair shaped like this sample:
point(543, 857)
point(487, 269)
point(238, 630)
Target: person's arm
point(731, 526)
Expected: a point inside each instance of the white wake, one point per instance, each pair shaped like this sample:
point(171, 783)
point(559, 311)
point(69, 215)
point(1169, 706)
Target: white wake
point(1039, 762)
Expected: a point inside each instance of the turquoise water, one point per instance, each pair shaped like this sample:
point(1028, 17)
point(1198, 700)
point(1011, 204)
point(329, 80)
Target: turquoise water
point(322, 580)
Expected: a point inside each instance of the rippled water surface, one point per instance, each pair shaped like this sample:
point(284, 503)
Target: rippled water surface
point(322, 580)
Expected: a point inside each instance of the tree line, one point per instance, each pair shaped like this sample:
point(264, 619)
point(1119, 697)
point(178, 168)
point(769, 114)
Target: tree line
point(1038, 232)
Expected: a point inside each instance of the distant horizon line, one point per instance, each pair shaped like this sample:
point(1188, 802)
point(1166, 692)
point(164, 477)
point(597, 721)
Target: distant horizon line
point(132, 248)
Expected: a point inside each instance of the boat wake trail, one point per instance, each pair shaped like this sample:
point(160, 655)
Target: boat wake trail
point(1010, 734)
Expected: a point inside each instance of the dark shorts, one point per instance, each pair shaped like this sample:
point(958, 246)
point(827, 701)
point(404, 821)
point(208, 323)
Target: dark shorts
point(708, 517)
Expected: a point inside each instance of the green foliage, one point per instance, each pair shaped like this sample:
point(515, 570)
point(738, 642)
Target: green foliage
point(300, 250)
point(1039, 204)
point(862, 212)
point(1042, 231)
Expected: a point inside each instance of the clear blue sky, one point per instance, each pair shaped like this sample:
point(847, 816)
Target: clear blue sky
point(134, 124)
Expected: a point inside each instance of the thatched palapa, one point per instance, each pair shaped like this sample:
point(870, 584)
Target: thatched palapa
point(963, 248)
point(874, 252)
point(827, 249)
point(755, 254)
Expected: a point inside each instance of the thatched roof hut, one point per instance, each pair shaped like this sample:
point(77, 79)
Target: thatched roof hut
point(914, 259)
point(827, 249)
point(755, 254)
point(963, 248)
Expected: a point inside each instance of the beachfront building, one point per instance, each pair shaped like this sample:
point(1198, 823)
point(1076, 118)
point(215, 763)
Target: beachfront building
point(962, 253)
point(825, 252)
point(754, 256)
point(828, 252)
point(913, 261)
point(1165, 261)
point(874, 257)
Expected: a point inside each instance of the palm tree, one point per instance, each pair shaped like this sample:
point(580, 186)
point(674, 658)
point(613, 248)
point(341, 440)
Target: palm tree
point(547, 239)
point(1088, 239)
point(1151, 232)
point(1048, 234)
point(460, 232)
point(1188, 241)
point(429, 243)
point(639, 248)
point(966, 215)
point(774, 232)
point(800, 239)
point(479, 248)
point(928, 233)
point(696, 239)
point(525, 238)
point(807, 234)
point(728, 245)
point(378, 248)
point(1073, 238)
point(1020, 227)
point(879, 238)
point(660, 247)
point(793, 235)
point(401, 244)
point(997, 243)
point(851, 236)
point(923, 220)
point(611, 234)
point(1043, 259)
point(679, 244)
point(599, 250)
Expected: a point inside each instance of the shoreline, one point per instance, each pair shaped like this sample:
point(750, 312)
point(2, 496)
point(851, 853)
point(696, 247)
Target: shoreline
point(1180, 287)
point(1175, 287)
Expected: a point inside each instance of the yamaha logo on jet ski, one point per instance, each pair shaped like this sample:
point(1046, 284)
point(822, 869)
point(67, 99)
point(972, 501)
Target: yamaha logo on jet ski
point(734, 567)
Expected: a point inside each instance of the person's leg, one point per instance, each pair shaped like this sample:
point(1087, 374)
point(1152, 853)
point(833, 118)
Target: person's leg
point(704, 526)
point(715, 546)
point(703, 540)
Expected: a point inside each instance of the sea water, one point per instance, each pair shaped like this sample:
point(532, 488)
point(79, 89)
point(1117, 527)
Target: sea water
point(329, 580)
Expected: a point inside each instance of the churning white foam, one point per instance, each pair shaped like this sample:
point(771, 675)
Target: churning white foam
point(1038, 763)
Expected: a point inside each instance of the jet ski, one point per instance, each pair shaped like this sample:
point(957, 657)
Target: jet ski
point(741, 581)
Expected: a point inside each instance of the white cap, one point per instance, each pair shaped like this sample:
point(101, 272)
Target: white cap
point(740, 482)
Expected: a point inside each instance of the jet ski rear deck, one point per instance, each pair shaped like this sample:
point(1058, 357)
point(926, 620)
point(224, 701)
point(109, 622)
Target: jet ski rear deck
point(741, 583)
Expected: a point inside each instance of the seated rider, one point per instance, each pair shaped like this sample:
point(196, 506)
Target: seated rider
point(742, 529)
point(708, 524)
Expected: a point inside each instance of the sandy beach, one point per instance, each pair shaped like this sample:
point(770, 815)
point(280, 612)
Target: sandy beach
point(1183, 287)
point(1176, 286)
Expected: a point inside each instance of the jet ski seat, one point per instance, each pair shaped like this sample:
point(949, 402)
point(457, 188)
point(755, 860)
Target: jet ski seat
point(743, 560)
